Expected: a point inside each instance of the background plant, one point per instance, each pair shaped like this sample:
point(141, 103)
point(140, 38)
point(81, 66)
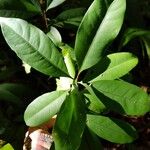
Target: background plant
point(93, 77)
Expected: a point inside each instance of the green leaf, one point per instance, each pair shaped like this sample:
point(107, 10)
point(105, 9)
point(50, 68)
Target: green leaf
point(70, 123)
point(132, 99)
point(33, 47)
point(37, 4)
point(17, 9)
point(53, 3)
point(97, 30)
point(7, 147)
point(117, 65)
point(31, 6)
point(90, 141)
point(48, 2)
point(70, 16)
point(111, 129)
point(54, 35)
point(43, 108)
point(93, 102)
point(132, 33)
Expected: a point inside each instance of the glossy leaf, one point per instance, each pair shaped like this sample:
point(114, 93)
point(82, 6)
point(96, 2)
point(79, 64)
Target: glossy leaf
point(117, 65)
point(70, 123)
point(55, 36)
point(70, 16)
point(132, 99)
point(17, 9)
point(132, 33)
point(43, 108)
point(33, 47)
point(111, 129)
point(97, 30)
point(93, 102)
point(53, 3)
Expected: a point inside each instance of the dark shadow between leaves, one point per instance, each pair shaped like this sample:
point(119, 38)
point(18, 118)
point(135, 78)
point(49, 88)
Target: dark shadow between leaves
point(98, 69)
point(109, 103)
point(126, 127)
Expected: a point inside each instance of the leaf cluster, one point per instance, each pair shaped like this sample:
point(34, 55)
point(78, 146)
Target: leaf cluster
point(90, 81)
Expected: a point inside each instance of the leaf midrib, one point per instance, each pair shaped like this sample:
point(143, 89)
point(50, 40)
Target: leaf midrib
point(117, 66)
point(32, 47)
point(54, 101)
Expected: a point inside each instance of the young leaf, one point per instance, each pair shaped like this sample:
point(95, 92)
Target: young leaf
point(96, 32)
point(33, 47)
point(44, 107)
point(119, 64)
point(68, 61)
point(111, 129)
point(53, 3)
point(132, 99)
point(55, 36)
point(70, 123)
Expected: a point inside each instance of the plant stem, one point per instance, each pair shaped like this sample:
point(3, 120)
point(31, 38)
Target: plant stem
point(44, 17)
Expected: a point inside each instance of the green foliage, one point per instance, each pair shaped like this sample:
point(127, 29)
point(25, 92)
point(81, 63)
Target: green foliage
point(7, 147)
point(70, 16)
point(71, 118)
point(136, 33)
point(80, 106)
point(53, 3)
point(18, 8)
point(48, 103)
point(92, 140)
point(94, 36)
point(111, 129)
point(130, 99)
point(12, 100)
point(117, 65)
point(34, 48)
